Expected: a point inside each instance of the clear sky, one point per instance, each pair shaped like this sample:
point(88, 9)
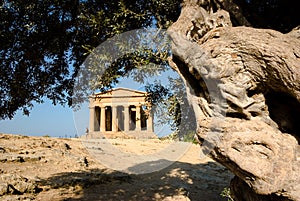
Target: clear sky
point(59, 121)
point(44, 119)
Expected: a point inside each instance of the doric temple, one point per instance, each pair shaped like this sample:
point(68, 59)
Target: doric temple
point(120, 112)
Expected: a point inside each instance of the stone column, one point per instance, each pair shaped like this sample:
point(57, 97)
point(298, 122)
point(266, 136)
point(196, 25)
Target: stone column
point(102, 119)
point(150, 121)
point(114, 118)
point(126, 118)
point(92, 119)
point(138, 118)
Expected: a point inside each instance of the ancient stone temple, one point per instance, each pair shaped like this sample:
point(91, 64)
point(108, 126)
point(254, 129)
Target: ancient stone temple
point(120, 112)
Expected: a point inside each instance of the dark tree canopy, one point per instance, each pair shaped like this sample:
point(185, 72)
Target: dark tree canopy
point(281, 15)
point(42, 42)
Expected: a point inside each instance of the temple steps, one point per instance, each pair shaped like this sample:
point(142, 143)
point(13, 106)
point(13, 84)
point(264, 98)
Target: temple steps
point(121, 134)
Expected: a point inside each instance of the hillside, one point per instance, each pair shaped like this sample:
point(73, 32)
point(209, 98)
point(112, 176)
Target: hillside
point(43, 168)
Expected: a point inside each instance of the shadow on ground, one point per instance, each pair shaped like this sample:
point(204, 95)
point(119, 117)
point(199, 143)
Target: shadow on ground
point(199, 182)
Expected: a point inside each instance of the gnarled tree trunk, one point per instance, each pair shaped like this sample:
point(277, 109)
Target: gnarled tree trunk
point(244, 85)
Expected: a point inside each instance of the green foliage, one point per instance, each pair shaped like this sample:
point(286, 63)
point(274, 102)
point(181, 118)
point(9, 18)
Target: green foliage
point(171, 105)
point(43, 43)
point(138, 54)
point(35, 38)
point(190, 137)
point(226, 193)
point(165, 102)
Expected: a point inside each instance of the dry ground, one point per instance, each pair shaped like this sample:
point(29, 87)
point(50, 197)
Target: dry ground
point(43, 168)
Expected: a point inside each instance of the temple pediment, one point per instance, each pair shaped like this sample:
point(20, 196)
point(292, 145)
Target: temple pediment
point(118, 96)
point(120, 92)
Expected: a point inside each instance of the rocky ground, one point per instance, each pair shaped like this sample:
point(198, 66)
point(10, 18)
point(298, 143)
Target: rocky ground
point(44, 168)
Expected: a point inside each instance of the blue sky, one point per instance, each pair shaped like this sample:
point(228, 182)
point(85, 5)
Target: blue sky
point(59, 121)
point(44, 119)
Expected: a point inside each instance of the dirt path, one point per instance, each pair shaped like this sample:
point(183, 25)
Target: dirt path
point(41, 168)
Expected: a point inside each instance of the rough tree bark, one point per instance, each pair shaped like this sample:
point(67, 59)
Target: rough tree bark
point(244, 86)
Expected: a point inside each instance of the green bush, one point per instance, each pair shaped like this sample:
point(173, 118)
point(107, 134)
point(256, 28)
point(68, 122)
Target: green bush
point(226, 193)
point(190, 137)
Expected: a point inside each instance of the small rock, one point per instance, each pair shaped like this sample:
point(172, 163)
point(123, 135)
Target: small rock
point(83, 161)
point(24, 152)
point(44, 144)
point(3, 189)
point(2, 150)
point(15, 184)
point(32, 158)
point(3, 159)
point(176, 198)
point(12, 158)
point(65, 146)
point(21, 159)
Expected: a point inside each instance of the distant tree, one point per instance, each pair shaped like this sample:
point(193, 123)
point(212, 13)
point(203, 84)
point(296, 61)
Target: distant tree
point(171, 106)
